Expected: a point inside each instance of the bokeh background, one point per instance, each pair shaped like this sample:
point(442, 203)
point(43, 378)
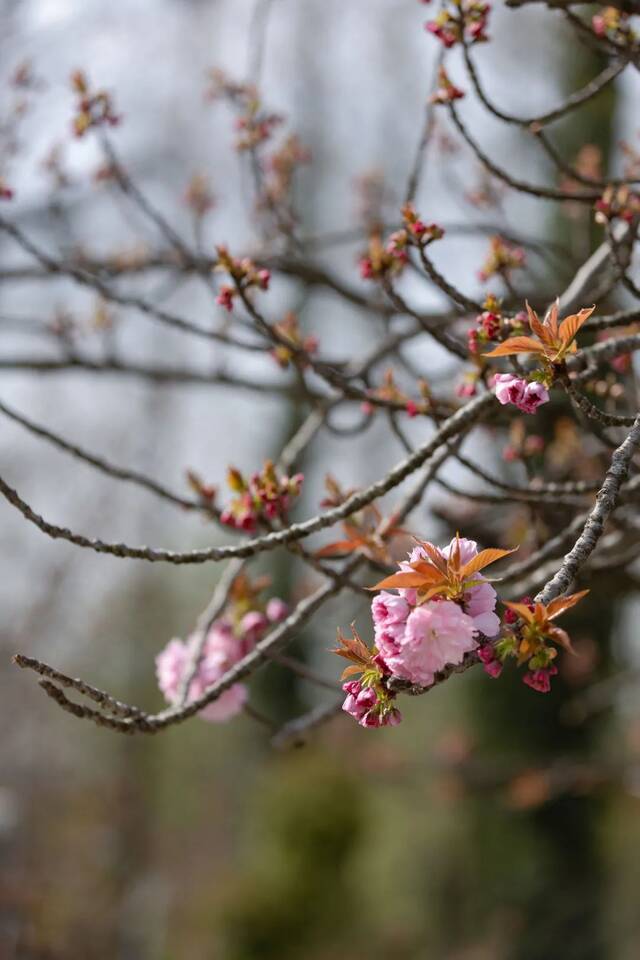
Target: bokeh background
point(493, 823)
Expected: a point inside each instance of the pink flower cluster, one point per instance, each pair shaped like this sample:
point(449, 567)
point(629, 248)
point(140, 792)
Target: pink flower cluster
point(466, 16)
point(503, 257)
point(446, 91)
point(525, 396)
point(417, 640)
point(263, 496)
point(226, 643)
point(245, 274)
point(365, 704)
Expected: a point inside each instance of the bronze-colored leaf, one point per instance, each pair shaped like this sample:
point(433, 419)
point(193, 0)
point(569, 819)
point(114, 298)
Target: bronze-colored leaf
point(534, 321)
point(521, 609)
point(561, 637)
point(433, 592)
point(570, 325)
point(434, 555)
point(560, 604)
point(483, 559)
point(339, 547)
point(350, 671)
point(552, 320)
point(516, 345)
point(397, 580)
point(428, 571)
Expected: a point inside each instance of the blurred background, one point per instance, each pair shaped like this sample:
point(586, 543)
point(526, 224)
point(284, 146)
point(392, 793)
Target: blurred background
point(494, 823)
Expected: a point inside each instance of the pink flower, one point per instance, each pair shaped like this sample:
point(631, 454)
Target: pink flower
point(540, 680)
point(366, 268)
point(490, 662)
point(389, 638)
point(437, 633)
point(468, 549)
point(359, 701)
point(389, 608)
point(277, 610)
point(526, 396)
point(392, 718)
point(229, 704)
point(534, 396)
point(264, 279)
point(479, 604)
point(225, 297)
point(170, 664)
point(253, 625)
point(223, 647)
point(467, 388)
point(170, 667)
point(509, 389)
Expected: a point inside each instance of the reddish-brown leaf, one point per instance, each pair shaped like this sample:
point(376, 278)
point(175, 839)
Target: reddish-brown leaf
point(561, 637)
point(434, 555)
point(339, 547)
point(397, 580)
point(483, 559)
point(516, 345)
point(560, 604)
point(427, 571)
point(570, 325)
point(521, 609)
point(540, 329)
point(552, 320)
point(350, 671)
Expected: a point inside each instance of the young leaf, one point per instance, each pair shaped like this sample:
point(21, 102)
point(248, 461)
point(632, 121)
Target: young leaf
point(397, 580)
point(552, 321)
point(516, 345)
point(521, 609)
point(339, 547)
point(570, 325)
point(537, 326)
point(560, 604)
point(482, 560)
point(428, 571)
point(434, 555)
point(561, 637)
point(350, 671)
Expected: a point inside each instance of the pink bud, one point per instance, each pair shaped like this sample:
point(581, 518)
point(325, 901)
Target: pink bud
point(253, 624)
point(493, 669)
point(367, 698)
point(277, 610)
point(264, 279)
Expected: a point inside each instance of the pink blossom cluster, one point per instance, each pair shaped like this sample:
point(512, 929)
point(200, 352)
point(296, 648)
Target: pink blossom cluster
point(384, 260)
point(614, 25)
point(489, 326)
point(446, 91)
point(525, 396)
point(617, 202)
point(226, 643)
point(503, 257)
point(370, 705)
point(417, 640)
point(467, 16)
point(245, 274)
point(263, 496)
point(94, 109)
